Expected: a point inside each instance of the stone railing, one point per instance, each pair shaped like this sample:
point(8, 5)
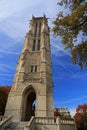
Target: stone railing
point(67, 124)
point(67, 121)
point(2, 118)
point(37, 120)
point(27, 124)
point(60, 123)
point(48, 121)
point(5, 121)
point(44, 120)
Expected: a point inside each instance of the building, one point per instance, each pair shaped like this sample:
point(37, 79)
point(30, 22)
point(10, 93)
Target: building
point(64, 112)
point(30, 102)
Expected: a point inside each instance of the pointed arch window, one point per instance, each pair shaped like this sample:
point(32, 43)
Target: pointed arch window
point(35, 32)
point(32, 68)
point(38, 45)
point(39, 33)
point(35, 68)
point(34, 44)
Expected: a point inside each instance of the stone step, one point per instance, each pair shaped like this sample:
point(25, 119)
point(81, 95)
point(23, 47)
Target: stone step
point(13, 126)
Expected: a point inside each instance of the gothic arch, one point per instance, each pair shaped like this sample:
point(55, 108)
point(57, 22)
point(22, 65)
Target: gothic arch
point(28, 97)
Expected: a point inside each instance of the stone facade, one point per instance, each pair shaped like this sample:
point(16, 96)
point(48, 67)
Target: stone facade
point(30, 101)
point(33, 77)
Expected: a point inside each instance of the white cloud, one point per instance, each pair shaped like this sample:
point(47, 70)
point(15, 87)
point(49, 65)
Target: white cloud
point(78, 75)
point(71, 101)
point(14, 18)
point(8, 52)
point(4, 68)
point(7, 74)
point(72, 111)
point(14, 29)
point(71, 104)
point(58, 49)
point(10, 7)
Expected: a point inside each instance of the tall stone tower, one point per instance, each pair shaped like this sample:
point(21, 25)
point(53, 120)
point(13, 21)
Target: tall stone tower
point(32, 90)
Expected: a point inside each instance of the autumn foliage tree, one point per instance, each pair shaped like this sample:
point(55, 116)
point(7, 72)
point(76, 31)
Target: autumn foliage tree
point(4, 91)
point(81, 117)
point(71, 25)
point(56, 113)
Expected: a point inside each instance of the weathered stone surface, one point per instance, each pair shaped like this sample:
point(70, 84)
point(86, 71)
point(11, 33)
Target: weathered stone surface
point(33, 83)
point(33, 77)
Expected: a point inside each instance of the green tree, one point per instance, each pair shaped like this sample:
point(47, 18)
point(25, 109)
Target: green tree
point(71, 25)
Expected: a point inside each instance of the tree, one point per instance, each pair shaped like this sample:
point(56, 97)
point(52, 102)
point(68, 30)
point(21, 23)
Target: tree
point(71, 26)
point(81, 117)
point(56, 113)
point(4, 91)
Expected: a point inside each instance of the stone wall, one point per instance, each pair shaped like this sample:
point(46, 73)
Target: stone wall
point(43, 123)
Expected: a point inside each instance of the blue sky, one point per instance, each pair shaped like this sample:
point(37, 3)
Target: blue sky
point(69, 81)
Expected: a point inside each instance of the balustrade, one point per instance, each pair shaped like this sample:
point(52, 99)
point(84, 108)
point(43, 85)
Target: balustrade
point(67, 121)
point(44, 120)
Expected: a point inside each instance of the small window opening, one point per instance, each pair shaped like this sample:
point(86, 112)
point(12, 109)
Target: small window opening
point(38, 46)
point(33, 48)
point(31, 68)
point(39, 33)
point(35, 68)
point(35, 33)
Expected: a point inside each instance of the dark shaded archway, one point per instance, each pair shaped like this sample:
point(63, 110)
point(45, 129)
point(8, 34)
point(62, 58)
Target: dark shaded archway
point(28, 108)
point(30, 111)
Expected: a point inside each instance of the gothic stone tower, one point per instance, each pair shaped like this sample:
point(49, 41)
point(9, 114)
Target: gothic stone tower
point(33, 77)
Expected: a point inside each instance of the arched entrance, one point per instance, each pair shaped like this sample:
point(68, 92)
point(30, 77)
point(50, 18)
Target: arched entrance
point(28, 106)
